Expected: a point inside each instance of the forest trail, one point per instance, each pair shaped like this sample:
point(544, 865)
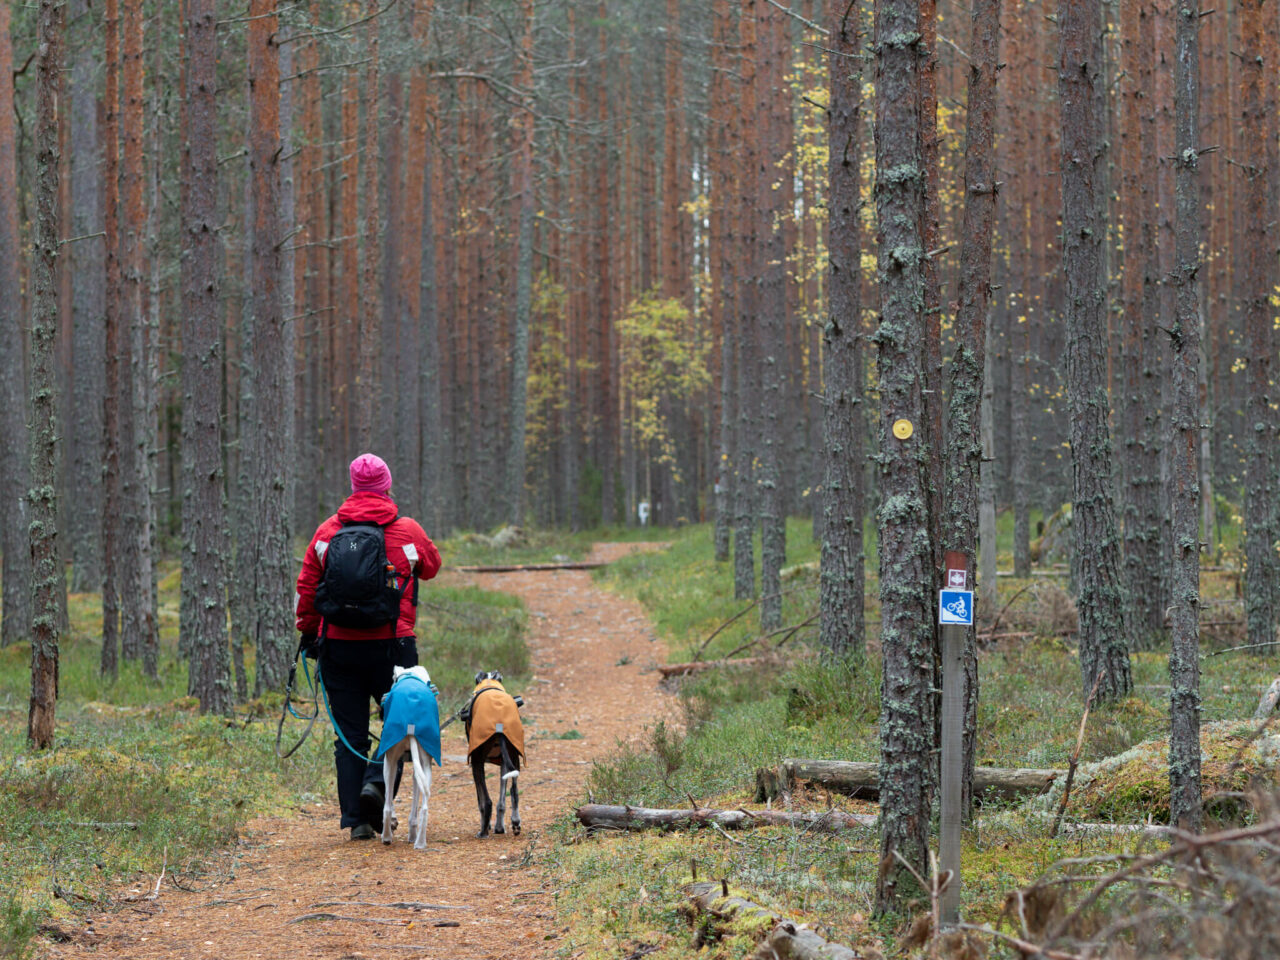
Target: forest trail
point(592, 655)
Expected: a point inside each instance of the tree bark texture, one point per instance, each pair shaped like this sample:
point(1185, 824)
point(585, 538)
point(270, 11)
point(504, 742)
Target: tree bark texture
point(745, 442)
point(842, 570)
point(1139, 405)
point(774, 101)
point(598, 816)
point(1258, 122)
point(112, 533)
point(368, 313)
point(138, 633)
point(14, 469)
point(204, 521)
point(1184, 439)
point(47, 583)
point(968, 363)
point(908, 707)
point(860, 779)
point(271, 570)
point(517, 427)
point(724, 132)
point(84, 483)
point(1103, 635)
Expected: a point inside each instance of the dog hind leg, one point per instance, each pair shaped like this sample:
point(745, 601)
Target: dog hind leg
point(515, 807)
point(482, 793)
point(389, 760)
point(502, 805)
point(421, 794)
point(508, 772)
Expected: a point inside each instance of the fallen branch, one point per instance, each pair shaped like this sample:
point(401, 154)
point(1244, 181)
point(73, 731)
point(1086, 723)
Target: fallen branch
point(1075, 758)
point(789, 631)
point(338, 916)
point(1008, 603)
point(600, 816)
point(518, 567)
point(696, 666)
point(1019, 635)
point(783, 940)
point(398, 905)
point(155, 892)
point(861, 779)
point(697, 654)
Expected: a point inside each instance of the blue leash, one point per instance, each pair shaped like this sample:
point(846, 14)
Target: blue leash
point(334, 723)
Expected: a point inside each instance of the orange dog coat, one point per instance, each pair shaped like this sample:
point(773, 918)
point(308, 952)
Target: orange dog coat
point(492, 705)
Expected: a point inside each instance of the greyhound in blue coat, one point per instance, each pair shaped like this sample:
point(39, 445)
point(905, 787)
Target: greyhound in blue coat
point(411, 722)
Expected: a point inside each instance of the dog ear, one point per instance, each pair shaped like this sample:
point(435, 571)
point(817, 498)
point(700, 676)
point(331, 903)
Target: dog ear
point(495, 675)
point(396, 673)
point(481, 675)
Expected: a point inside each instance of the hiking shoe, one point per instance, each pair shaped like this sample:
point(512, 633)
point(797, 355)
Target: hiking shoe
point(371, 799)
point(362, 831)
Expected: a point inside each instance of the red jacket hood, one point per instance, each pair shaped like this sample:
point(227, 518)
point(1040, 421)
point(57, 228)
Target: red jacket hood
point(368, 507)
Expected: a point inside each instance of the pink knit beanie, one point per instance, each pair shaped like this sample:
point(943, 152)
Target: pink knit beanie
point(370, 472)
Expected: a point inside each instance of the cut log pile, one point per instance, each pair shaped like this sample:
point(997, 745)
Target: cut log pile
point(782, 938)
point(862, 780)
point(600, 816)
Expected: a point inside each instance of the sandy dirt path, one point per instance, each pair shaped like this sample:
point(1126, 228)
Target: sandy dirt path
point(592, 654)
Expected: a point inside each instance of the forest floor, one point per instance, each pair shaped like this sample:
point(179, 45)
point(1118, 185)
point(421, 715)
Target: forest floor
point(594, 685)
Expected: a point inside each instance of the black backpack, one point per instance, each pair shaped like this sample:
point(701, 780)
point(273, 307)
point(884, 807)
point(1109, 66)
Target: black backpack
point(358, 589)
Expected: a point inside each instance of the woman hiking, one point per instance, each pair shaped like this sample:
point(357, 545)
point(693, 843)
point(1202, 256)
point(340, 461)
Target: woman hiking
point(357, 607)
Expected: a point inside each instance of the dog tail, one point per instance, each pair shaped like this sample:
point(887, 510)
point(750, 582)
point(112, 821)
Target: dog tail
point(509, 770)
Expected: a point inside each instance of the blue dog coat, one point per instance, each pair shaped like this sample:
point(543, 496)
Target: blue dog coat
point(410, 703)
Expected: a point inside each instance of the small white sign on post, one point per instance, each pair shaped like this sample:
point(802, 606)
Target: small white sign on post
point(955, 607)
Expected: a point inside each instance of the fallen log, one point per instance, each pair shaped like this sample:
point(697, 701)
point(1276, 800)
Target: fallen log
point(601, 816)
point(857, 779)
point(696, 666)
point(783, 939)
point(519, 567)
point(1268, 702)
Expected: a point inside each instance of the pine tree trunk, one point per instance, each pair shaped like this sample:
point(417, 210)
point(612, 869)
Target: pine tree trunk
point(773, 521)
point(908, 707)
point(268, 538)
point(1184, 439)
point(1258, 122)
point(367, 315)
point(745, 441)
point(843, 575)
point(137, 615)
point(112, 533)
point(15, 468)
point(84, 507)
point(969, 363)
point(722, 207)
point(352, 357)
point(48, 584)
point(523, 178)
point(1103, 634)
point(410, 399)
point(204, 613)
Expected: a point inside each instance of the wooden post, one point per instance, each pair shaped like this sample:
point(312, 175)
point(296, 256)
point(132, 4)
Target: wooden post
point(952, 812)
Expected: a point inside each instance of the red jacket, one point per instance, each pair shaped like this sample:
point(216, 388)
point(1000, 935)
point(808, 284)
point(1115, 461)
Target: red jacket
point(408, 548)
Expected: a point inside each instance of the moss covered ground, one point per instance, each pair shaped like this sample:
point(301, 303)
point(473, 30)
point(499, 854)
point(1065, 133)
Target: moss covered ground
point(619, 893)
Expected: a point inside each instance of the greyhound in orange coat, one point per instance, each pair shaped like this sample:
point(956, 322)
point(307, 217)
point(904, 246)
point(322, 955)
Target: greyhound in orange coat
point(494, 735)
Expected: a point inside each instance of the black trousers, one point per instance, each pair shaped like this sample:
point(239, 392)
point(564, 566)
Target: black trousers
point(354, 672)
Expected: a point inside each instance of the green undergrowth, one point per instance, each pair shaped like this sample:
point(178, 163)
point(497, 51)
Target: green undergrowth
point(733, 722)
point(137, 781)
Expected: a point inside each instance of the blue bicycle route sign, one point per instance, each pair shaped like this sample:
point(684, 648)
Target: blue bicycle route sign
point(955, 607)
